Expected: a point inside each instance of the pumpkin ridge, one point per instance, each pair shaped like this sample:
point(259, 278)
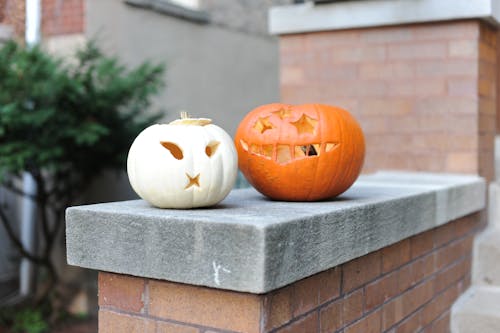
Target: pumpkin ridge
point(337, 169)
point(320, 131)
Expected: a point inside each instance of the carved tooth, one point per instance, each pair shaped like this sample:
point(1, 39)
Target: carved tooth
point(244, 145)
point(330, 146)
point(283, 154)
point(255, 149)
point(300, 151)
point(267, 151)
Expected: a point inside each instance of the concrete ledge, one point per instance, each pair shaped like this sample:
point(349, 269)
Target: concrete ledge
point(249, 243)
point(369, 13)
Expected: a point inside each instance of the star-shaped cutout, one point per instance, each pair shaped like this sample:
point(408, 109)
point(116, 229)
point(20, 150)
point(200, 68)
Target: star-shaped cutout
point(283, 113)
point(193, 181)
point(263, 124)
point(305, 124)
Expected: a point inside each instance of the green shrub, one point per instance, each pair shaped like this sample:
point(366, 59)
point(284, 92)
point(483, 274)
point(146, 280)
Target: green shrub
point(64, 123)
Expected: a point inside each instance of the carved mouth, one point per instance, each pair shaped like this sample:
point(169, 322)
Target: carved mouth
point(283, 154)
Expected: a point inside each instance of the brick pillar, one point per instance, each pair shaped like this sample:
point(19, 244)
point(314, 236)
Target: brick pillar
point(425, 94)
point(406, 287)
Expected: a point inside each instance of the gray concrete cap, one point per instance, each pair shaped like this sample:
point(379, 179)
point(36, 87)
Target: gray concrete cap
point(308, 16)
point(252, 244)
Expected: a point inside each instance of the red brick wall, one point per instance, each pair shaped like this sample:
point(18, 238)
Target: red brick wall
point(424, 94)
point(59, 17)
point(62, 17)
point(406, 287)
point(12, 12)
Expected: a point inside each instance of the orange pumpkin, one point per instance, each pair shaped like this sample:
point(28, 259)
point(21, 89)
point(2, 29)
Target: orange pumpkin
point(300, 153)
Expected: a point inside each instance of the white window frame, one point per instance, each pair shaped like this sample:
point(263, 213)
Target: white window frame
point(191, 4)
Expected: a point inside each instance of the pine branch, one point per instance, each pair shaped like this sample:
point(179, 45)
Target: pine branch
point(17, 242)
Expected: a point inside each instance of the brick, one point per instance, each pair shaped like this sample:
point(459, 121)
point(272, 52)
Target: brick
point(368, 324)
point(163, 327)
point(385, 106)
point(401, 125)
point(386, 71)
point(453, 252)
point(361, 270)
point(421, 244)
point(457, 142)
point(374, 125)
point(418, 296)
point(448, 105)
point(444, 234)
point(63, 17)
point(417, 51)
point(277, 308)
point(420, 88)
point(440, 304)
point(487, 88)
point(415, 272)
point(462, 123)
point(381, 290)
point(467, 48)
point(305, 295)
point(203, 306)
point(112, 322)
point(446, 30)
point(318, 73)
point(440, 325)
point(393, 143)
point(386, 35)
point(411, 324)
point(353, 306)
point(327, 39)
point(331, 317)
point(463, 88)
point(446, 68)
point(308, 323)
point(121, 291)
point(431, 142)
point(487, 70)
point(358, 54)
point(462, 162)
point(395, 255)
point(487, 53)
point(329, 284)
point(392, 312)
point(466, 225)
point(487, 106)
point(452, 274)
point(292, 75)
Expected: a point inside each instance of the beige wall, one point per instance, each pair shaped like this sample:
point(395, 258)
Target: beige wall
point(212, 71)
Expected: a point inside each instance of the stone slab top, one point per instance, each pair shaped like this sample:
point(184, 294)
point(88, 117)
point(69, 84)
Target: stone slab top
point(311, 16)
point(252, 244)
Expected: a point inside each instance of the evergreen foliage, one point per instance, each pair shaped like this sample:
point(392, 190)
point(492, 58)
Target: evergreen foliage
point(64, 123)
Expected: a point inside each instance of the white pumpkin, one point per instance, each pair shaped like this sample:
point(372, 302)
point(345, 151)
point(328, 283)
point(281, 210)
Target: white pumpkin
point(185, 164)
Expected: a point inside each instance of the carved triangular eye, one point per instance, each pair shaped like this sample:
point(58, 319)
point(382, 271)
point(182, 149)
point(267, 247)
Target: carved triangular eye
point(211, 148)
point(174, 149)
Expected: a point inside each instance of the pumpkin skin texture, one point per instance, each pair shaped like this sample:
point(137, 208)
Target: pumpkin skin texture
point(300, 153)
point(185, 164)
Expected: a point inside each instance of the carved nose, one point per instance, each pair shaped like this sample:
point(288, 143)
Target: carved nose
point(193, 181)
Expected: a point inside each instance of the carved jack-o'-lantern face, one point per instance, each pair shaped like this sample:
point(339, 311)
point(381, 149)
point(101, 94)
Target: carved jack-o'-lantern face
point(300, 153)
point(188, 163)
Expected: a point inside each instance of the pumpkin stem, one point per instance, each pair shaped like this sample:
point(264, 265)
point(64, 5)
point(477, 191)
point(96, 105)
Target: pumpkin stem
point(186, 120)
